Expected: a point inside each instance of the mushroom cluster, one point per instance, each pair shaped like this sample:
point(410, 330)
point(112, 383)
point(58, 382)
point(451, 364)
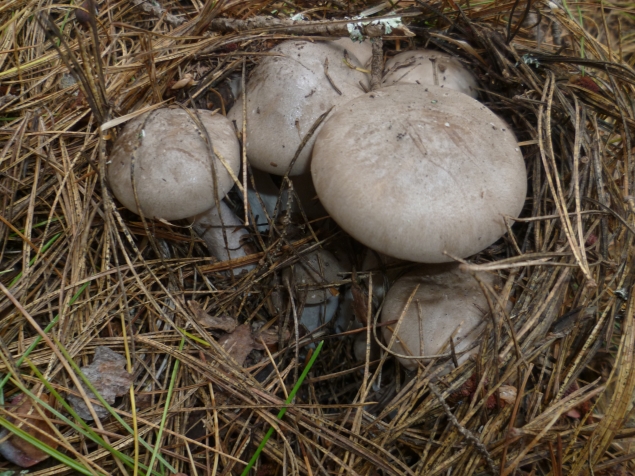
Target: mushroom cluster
point(417, 170)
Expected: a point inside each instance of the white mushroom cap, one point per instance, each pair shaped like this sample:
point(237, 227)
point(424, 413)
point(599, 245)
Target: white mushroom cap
point(415, 172)
point(287, 94)
point(173, 174)
point(418, 67)
point(360, 51)
point(447, 299)
point(313, 273)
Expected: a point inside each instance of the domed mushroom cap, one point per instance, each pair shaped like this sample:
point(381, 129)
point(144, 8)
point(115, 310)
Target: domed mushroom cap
point(287, 94)
point(418, 67)
point(362, 51)
point(448, 299)
point(412, 172)
point(173, 174)
point(314, 273)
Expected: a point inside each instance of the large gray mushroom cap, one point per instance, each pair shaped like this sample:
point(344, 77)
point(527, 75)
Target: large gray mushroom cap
point(414, 172)
point(430, 68)
point(450, 303)
point(173, 164)
point(285, 96)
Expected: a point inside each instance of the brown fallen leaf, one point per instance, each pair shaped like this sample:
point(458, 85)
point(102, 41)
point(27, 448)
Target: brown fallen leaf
point(269, 337)
point(17, 450)
point(465, 393)
point(267, 469)
point(239, 343)
point(110, 379)
point(223, 323)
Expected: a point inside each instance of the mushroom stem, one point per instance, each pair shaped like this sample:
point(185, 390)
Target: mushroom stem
point(269, 193)
point(210, 225)
point(376, 64)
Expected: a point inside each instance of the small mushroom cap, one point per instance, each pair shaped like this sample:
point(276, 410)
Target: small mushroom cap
point(447, 299)
point(418, 67)
point(173, 165)
point(414, 172)
point(314, 273)
point(315, 315)
point(287, 94)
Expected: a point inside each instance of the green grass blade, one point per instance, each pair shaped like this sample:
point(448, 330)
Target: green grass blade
point(37, 340)
point(83, 427)
point(106, 405)
point(281, 413)
point(157, 446)
point(37, 225)
point(41, 252)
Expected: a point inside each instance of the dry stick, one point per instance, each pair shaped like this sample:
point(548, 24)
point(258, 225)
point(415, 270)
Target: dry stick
point(244, 142)
point(365, 387)
point(291, 27)
point(467, 434)
point(275, 368)
point(296, 326)
point(488, 291)
point(326, 73)
point(512, 420)
point(377, 64)
point(545, 421)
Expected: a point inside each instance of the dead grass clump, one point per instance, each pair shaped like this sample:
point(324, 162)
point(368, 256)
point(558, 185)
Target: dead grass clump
point(550, 391)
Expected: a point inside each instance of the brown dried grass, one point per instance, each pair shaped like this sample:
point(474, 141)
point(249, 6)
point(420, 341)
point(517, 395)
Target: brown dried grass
point(61, 232)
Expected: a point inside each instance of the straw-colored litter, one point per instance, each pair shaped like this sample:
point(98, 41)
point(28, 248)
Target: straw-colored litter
point(78, 271)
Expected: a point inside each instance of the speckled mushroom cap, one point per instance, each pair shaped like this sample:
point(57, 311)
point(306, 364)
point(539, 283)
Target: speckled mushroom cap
point(287, 94)
point(314, 273)
point(447, 299)
point(173, 173)
point(418, 67)
point(413, 172)
point(363, 51)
